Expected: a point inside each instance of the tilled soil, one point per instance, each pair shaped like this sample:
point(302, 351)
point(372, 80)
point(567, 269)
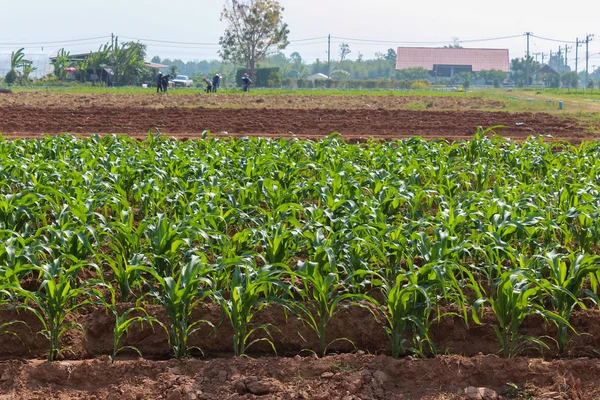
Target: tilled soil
point(354, 125)
point(289, 336)
point(349, 376)
point(247, 100)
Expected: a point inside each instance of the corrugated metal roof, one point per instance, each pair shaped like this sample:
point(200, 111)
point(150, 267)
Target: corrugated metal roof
point(427, 57)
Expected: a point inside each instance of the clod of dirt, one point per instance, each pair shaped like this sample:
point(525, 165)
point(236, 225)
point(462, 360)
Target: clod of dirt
point(260, 101)
point(5, 91)
point(482, 393)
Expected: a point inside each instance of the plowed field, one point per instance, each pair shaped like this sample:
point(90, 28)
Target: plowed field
point(354, 125)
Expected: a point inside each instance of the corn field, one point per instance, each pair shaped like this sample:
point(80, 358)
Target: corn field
point(411, 230)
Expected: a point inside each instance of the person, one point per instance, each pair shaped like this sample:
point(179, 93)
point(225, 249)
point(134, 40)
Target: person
point(216, 82)
point(246, 81)
point(165, 82)
point(159, 78)
point(208, 84)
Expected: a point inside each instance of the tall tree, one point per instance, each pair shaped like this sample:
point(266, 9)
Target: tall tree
point(344, 51)
point(17, 60)
point(256, 30)
point(61, 61)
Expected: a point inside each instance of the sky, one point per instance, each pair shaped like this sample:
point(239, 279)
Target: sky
point(392, 22)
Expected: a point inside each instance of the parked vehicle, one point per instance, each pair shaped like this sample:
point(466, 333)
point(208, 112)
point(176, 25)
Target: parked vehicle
point(182, 81)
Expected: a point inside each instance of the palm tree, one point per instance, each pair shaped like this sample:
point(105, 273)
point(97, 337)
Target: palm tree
point(17, 59)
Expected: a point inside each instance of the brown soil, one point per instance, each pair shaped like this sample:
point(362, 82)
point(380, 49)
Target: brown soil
point(451, 335)
point(354, 125)
point(350, 376)
point(221, 100)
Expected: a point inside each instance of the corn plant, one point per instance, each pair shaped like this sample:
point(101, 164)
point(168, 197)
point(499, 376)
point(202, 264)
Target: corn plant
point(56, 298)
point(248, 292)
point(563, 286)
point(179, 295)
point(514, 300)
point(321, 292)
point(124, 320)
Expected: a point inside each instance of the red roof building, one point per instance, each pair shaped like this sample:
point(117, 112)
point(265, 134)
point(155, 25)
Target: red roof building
point(448, 61)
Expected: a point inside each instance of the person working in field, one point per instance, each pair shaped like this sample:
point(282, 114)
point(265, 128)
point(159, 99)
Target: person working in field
point(165, 82)
point(208, 84)
point(246, 82)
point(216, 82)
point(159, 78)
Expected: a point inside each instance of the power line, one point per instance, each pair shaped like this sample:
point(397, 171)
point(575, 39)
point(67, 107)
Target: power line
point(53, 42)
point(554, 40)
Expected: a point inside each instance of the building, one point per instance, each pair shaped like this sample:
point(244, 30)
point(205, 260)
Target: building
point(446, 62)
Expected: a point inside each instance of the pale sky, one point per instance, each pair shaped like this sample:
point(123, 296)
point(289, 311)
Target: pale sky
point(395, 21)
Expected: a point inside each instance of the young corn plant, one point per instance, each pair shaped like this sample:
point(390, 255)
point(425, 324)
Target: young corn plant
point(248, 292)
point(322, 293)
point(54, 301)
point(179, 295)
point(564, 286)
point(514, 300)
point(124, 320)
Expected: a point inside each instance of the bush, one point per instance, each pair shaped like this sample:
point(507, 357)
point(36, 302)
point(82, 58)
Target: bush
point(11, 77)
point(419, 85)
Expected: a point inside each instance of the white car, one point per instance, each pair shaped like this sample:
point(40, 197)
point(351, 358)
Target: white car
point(182, 81)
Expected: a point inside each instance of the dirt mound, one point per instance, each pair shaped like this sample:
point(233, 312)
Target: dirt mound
point(354, 125)
point(350, 376)
point(5, 91)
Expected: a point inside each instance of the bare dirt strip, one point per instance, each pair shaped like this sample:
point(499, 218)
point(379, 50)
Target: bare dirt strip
point(246, 100)
point(354, 125)
point(348, 377)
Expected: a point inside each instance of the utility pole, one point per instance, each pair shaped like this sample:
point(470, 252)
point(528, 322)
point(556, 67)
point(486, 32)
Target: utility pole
point(329, 57)
point(527, 61)
point(112, 40)
point(588, 37)
point(566, 53)
point(576, 53)
point(558, 63)
point(543, 58)
point(536, 56)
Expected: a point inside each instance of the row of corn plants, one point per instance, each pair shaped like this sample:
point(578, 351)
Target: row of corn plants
point(407, 229)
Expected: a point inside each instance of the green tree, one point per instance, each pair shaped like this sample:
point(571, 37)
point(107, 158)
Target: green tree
point(569, 79)
point(413, 74)
point(493, 77)
point(255, 30)
point(391, 55)
point(127, 62)
point(17, 60)
point(344, 51)
point(61, 61)
point(97, 60)
point(518, 70)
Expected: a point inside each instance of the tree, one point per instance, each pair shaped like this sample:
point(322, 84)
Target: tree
point(340, 75)
point(255, 30)
point(493, 77)
point(296, 58)
point(17, 60)
point(518, 70)
point(569, 79)
point(391, 55)
point(413, 74)
point(95, 61)
point(344, 51)
point(455, 44)
point(127, 62)
point(61, 61)
point(466, 78)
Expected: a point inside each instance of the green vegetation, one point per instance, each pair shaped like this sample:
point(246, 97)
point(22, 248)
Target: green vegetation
point(411, 230)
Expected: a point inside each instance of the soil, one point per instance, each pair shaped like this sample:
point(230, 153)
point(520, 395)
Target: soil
point(354, 125)
point(222, 100)
point(349, 376)
point(336, 376)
